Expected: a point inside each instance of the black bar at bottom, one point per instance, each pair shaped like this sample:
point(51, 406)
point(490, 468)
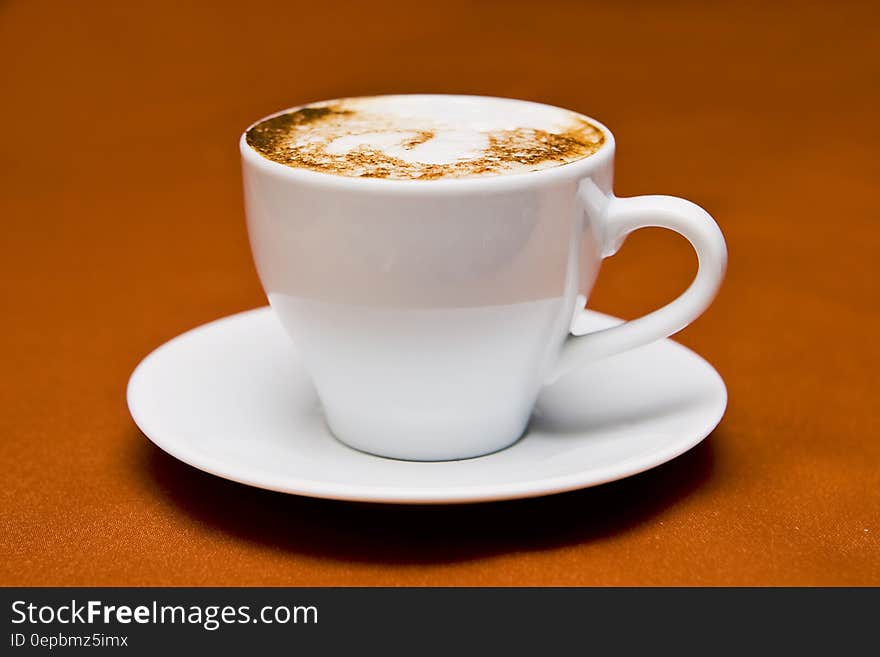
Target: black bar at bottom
point(415, 621)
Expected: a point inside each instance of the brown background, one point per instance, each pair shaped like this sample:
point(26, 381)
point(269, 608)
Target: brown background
point(123, 226)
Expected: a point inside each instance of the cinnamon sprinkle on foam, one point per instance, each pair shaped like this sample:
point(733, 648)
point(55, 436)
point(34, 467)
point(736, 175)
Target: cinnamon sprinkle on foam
point(300, 139)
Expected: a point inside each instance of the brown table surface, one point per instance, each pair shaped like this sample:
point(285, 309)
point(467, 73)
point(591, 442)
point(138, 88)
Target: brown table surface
point(123, 226)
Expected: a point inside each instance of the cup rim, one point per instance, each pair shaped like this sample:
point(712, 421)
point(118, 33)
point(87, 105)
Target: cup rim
point(577, 168)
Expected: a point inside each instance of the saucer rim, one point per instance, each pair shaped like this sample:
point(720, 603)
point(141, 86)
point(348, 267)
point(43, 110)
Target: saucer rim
point(178, 448)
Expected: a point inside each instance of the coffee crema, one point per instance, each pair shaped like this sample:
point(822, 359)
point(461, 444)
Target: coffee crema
point(425, 137)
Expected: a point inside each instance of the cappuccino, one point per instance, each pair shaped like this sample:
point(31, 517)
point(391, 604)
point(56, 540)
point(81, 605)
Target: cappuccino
point(425, 137)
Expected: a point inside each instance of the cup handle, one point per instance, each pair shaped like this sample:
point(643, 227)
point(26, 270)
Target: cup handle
point(620, 217)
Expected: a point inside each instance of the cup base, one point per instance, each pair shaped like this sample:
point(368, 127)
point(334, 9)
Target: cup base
point(425, 442)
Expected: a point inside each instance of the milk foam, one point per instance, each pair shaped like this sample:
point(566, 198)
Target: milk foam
point(425, 137)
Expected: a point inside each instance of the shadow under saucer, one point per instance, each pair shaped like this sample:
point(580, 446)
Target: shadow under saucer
point(389, 533)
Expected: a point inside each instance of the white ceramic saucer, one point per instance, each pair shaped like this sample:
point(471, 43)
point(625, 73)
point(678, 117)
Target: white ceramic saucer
point(231, 398)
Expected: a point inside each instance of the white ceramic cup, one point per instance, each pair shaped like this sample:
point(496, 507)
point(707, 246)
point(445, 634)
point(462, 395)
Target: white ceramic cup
point(429, 314)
